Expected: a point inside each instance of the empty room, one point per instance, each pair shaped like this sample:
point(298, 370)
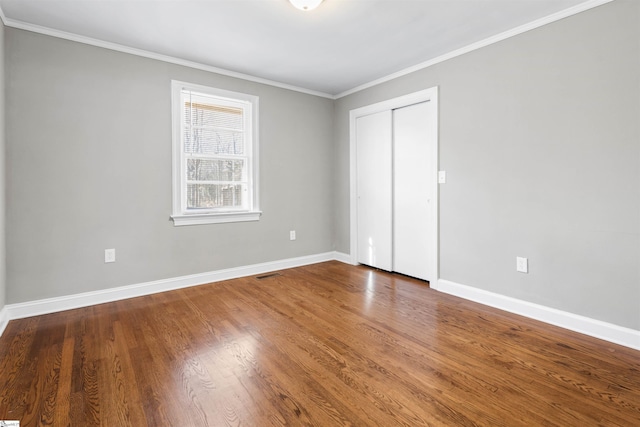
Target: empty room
point(320, 213)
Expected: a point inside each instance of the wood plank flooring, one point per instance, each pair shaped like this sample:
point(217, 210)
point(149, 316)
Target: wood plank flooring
point(322, 345)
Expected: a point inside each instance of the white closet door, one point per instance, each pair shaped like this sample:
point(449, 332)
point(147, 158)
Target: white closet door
point(412, 175)
point(374, 190)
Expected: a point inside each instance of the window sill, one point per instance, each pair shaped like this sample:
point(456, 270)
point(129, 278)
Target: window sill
point(215, 218)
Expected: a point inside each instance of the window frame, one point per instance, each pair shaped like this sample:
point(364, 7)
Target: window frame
point(181, 214)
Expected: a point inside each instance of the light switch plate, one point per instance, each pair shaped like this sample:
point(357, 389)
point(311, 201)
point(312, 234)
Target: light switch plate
point(442, 177)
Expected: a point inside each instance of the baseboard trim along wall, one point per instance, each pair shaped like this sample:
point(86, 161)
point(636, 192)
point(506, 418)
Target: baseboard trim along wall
point(344, 258)
point(4, 319)
point(584, 325)
point(68, 302)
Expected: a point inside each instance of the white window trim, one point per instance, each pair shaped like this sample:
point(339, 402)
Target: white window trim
point(180, 216)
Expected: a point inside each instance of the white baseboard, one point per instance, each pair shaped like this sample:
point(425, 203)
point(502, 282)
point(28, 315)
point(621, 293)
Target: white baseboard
point(342, 257)
point(584, 325)
point(68, 302)
point(4, 319)
point(595, 328)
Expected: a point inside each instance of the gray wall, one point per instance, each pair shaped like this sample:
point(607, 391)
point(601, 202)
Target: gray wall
point(89, 168)
point(539, 135)
point(2, 174)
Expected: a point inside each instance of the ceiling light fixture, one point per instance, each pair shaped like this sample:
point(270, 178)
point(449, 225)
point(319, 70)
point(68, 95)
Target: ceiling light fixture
point(306, 5)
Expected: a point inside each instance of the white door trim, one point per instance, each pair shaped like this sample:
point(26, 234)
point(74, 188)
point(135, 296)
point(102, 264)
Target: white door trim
point(430, 95)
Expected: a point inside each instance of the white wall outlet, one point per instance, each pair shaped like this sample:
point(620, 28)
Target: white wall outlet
point(442, 177)
point(522, 264)
point(109, 255)
point(292, 235)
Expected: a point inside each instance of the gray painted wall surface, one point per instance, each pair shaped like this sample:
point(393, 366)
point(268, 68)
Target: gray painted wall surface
point(2, 174)
point(539, 135)
point(89, 168)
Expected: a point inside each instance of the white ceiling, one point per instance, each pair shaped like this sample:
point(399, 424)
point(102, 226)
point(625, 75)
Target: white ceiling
point(342, 45)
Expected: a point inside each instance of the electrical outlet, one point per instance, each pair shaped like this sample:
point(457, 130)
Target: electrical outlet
point(522, 265)
point(109, 255)
point(292, 235)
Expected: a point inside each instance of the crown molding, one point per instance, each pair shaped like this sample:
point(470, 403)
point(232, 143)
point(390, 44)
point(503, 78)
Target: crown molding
point(486, 42)
point(153, 55)
point(199, 66)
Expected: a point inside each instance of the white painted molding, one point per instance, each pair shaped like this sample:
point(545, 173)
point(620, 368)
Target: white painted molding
point(342, 257)
point(214, 218)
point(152, 55)
point(482, 43)
point(68, 302)
point(173, 60)
point(3, 18)
point(584, 325)
point(4, 319)
point(595, 328)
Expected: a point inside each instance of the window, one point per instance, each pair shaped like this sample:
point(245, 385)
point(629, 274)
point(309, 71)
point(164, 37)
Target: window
point(215, 155)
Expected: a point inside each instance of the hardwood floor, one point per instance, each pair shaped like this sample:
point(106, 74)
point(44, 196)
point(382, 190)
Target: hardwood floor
point(323, 345)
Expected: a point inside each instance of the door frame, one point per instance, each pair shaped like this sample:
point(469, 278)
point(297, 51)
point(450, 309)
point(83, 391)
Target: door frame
point(430, 95)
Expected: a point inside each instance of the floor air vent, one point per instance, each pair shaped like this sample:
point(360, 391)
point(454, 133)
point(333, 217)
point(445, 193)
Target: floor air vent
point(266, 276)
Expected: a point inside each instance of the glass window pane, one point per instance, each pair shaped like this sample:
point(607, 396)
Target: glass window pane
point(211, 141)
point(207, 196)
point(215, 170)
